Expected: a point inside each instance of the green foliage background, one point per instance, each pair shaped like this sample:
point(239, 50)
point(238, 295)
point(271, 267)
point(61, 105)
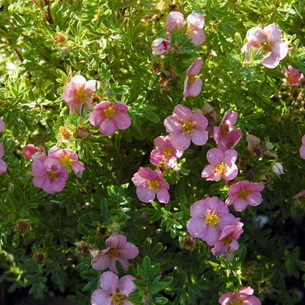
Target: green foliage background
point(110, 41)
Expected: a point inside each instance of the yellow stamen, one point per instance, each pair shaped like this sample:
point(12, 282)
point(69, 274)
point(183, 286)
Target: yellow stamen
point(118, 298)
point(52, 175)
point(66, 160)
point(112, 253)
point(212, 219)
point(244, 193)
point(220, 167)
point(81, 94)
point(187, 126)
point(236, 302)
point(153, 184)
point(109, 112)
point(191, 79)
point(224, 129)
point(168, 151)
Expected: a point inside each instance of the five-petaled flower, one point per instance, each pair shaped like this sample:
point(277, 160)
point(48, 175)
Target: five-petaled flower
point(185, 126)
point(222, 165)
point(193, 84)
point(293, 76)
point(78, 91)
point(244, 296)
point(114, 291)
point(245, 193)
point(118, 249)
point(150, 183)
point(270, 40)
point(110, 117)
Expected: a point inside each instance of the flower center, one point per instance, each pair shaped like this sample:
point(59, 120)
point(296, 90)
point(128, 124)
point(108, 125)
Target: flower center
point(110, 112)
point(224, 129)
point(153, 184)
point(168, 151)
point(81, 94)
point(191, 79)
point(244, 193)
point(267, 46)
point(118, 298)
point(220, 167)
point(66, 160)
point(52, 175)
point(212, 219)
point(236, 302)
point(187, 126)
point(291, 79)
point(112, 253)
point(227, 240)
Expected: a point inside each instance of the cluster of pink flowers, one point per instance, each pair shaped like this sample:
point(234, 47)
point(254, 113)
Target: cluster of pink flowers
point(244, 296)
point(292, 76)
point(3, 165)
point(114, 290)
point(183, 127)
point(269, 39)
point(50, 171)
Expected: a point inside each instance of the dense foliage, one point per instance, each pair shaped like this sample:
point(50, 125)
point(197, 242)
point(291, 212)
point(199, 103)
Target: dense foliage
point(48, 239)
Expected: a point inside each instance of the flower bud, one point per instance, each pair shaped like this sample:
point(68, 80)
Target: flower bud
point(278, 168)
point(160, 46)
point(22, 225)
point(29, 150)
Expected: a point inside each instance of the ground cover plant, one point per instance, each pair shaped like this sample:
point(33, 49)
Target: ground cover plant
point(152, 152)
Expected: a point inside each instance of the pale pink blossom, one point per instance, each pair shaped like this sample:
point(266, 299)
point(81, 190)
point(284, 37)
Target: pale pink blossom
point(244, 193)
point(226, 135)
point(193, 84)
point(78, 91)
point(222, 165)
point(118, 249)
point(270, 40)
point(302, 148)
point(195, 23)
point(160, 46)
point(49, 174)
point(185, 126)
point(110, 117)
point(243, 296)
point(150, 183)
point(278, 168)
point(2, 125)
point(165, 153)
point(114, 291)
point(227, 242)
point(293, 76)
point(67, 158)
point(29, 150)
point(3, 165)
point(209, 217)
point(300, 195)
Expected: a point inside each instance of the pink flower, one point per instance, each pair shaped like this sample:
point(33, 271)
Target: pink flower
point(165, 153)
point(114, 290)
point(293, 76)
point(67, 157)
point(118, 250)
point(222, 165)
point(195, 23)
point(302, 148)
point(185, 126)
point(300, 195)
point(244, 193)
point(79, 91)
point(3, 165)
point(150, 183)
point(2, 125)
point(226, 135)
point(243, 296)
point(110, 117)
point(227, 241)
point(193, 84)
point(29, 150)
point(269, 39)
point(160, 46)
point(209, 217)
point(49, 174)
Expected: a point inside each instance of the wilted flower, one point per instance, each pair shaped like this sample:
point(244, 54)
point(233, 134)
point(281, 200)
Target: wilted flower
point(293, 76)
point(222, 165)
point(209, 217)
point(165, 153)
point(29, 150)
point(118, 250)
point(193, 84)
point(160, 46)
point(185, 126)
point(110, 117)
point(278, 168)
point(67, 158)
point(244, 193)
point(3, 165)
point(114, 290)
point(270, 40)
point(243, 296)
point(150, 183)
point(226, 135)
point(227, 242)
point(78, 91)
